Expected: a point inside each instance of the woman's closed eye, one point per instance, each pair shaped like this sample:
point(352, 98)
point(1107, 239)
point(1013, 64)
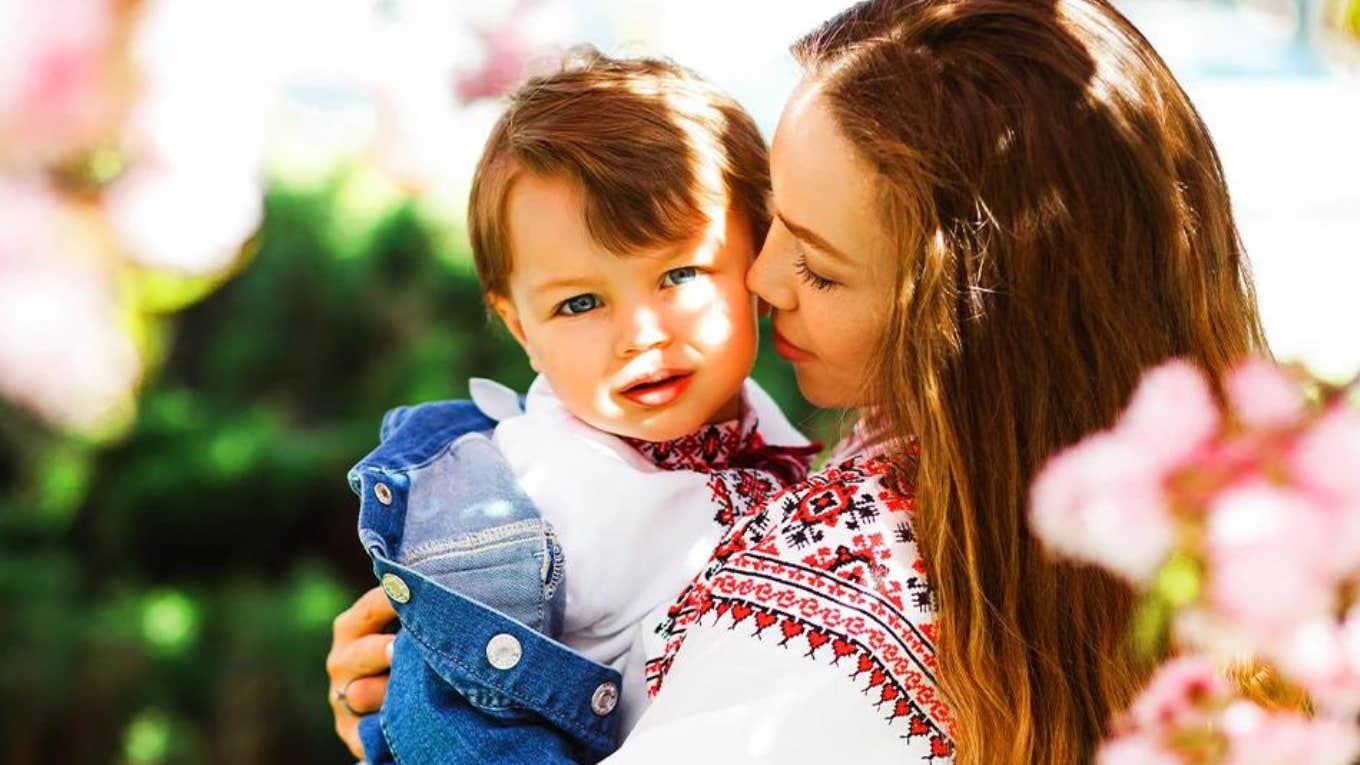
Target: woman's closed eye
point(678, 276)
point(577, 305)
point(814, 279)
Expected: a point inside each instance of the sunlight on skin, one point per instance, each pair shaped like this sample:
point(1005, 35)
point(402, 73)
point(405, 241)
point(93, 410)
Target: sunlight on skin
point(715, 326)
point(649, 344)
point(828, 329)
point(597, 324)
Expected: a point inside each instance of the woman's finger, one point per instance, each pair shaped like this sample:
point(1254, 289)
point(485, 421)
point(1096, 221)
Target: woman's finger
point(358, 649)
point(356, 697)
point(357, 658)
point(369, 614)
point(347, 728)
point(365, 694)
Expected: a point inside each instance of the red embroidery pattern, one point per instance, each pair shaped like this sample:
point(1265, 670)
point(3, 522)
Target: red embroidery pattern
point(829, 568)
point(706, 449)
point(735, 444)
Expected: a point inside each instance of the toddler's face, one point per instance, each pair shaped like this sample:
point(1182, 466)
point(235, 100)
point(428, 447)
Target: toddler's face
point(648, 345)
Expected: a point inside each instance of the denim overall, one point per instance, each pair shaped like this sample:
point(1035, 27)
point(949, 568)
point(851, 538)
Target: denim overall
point(476, 577)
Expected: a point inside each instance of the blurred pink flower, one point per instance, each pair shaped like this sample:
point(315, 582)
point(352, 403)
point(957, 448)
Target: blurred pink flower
point(1173, 414)
point(1272, 512)
point(1263, 396)
point(1136, 749)
point(1181, 694)
point(189, 220)
point(1257, 737)
point(63, 352)
point(56, 77)
point(507, 51)
point(1101, 502)
point(1267, 549)
point(193, 192)
point(1326, 460)
point(1325, 464)
point(1324, 657)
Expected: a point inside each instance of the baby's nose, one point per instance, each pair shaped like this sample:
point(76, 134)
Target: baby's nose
point(642, 330)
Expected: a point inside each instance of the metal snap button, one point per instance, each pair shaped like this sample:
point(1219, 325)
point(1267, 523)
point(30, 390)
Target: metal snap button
point(605, 699)
point(383, 493)
point(395, 588)
point(503, 651)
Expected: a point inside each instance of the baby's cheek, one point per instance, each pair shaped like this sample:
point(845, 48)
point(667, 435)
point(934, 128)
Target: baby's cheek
point(739, 306)
point(713, 327)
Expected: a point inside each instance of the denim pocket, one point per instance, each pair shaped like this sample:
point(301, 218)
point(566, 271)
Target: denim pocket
point(515, 569)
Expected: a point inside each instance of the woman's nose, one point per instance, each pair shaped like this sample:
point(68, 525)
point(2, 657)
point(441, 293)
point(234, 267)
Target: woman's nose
point(642, 330)
point(767, 279)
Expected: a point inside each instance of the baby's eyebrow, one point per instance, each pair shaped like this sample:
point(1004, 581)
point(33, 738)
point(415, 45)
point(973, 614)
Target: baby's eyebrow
point(560, 283)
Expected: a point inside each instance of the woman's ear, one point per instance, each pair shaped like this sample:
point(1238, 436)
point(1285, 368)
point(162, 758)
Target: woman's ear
point(510, 318)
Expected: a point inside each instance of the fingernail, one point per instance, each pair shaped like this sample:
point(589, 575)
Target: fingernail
point(390, 643)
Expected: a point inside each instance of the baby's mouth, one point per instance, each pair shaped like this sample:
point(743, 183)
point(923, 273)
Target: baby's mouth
point(658, 390)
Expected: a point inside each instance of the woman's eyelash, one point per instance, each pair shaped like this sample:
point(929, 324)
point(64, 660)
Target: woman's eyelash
point(814, 279)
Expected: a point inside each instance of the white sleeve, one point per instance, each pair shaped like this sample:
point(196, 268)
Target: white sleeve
point(733, 699)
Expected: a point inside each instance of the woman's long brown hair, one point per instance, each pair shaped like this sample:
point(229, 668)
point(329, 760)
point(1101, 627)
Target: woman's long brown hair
point(1063, 225)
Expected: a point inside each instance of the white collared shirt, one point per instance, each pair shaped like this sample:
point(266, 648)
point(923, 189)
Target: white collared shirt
point(633, 534)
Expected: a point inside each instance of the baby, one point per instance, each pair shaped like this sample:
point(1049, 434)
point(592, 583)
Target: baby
point(613, 216)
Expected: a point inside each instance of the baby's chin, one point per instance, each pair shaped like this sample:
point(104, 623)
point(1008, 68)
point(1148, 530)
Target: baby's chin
point(664, 424)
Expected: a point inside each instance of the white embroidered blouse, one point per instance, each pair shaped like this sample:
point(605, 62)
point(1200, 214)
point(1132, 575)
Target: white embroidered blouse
point(806, 638)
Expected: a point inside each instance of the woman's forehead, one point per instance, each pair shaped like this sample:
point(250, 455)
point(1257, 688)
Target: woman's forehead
point(819, 180)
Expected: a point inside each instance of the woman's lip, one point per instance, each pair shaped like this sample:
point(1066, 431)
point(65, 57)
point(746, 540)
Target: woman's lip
point(788, 350)
point(652, 395)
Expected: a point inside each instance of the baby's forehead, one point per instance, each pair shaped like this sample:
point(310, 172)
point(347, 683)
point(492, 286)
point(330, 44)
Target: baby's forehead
point(551, 227)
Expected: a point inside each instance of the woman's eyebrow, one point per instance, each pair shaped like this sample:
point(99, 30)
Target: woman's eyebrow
point(809, 236)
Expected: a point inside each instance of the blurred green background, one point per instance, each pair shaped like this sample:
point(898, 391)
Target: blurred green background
point(167, 591)
point(168, 597)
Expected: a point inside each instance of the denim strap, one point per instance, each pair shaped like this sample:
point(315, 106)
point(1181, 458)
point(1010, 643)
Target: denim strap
point(549, 678)
point(376, 750)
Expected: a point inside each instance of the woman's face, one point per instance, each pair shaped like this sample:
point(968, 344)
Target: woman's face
point(827, 267)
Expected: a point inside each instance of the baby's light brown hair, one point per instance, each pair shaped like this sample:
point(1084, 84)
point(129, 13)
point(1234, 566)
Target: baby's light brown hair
point(650, 143)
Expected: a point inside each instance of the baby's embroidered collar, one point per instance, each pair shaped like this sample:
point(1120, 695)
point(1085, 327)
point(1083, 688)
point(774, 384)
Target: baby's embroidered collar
point(711, 447)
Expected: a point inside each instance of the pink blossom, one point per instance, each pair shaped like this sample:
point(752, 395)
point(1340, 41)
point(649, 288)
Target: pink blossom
point(1101, 502)
point(507, 55)
point(1173, 414)
point(1325, 464)
point(1324, 657)
point(63, 352)
point(1326, 460)
point(57, 82)
point(193, 193)
point(1179, 695)
point(190, 220)
point(1257, 737)
point(1136, 749)
point(1263, 396)
point(1268, 554)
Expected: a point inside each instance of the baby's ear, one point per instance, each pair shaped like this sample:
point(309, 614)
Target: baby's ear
point(510, 318)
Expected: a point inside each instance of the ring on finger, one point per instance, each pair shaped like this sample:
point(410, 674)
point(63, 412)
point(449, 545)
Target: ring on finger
point(338, 695)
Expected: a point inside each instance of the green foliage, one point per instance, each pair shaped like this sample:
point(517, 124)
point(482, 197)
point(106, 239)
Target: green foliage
point(168, 598)
point(1176, 586)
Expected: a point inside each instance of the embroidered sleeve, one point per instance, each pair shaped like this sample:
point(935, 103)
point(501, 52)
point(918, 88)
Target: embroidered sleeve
point(829, 569)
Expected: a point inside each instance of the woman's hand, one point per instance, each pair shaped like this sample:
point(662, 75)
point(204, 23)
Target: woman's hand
point(358, 662)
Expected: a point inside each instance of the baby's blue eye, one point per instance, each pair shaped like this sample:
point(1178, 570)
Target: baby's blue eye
point(677, 276)
point(578, 305)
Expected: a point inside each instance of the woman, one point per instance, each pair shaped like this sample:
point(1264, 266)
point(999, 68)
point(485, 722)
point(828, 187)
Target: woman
point(992, 215)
